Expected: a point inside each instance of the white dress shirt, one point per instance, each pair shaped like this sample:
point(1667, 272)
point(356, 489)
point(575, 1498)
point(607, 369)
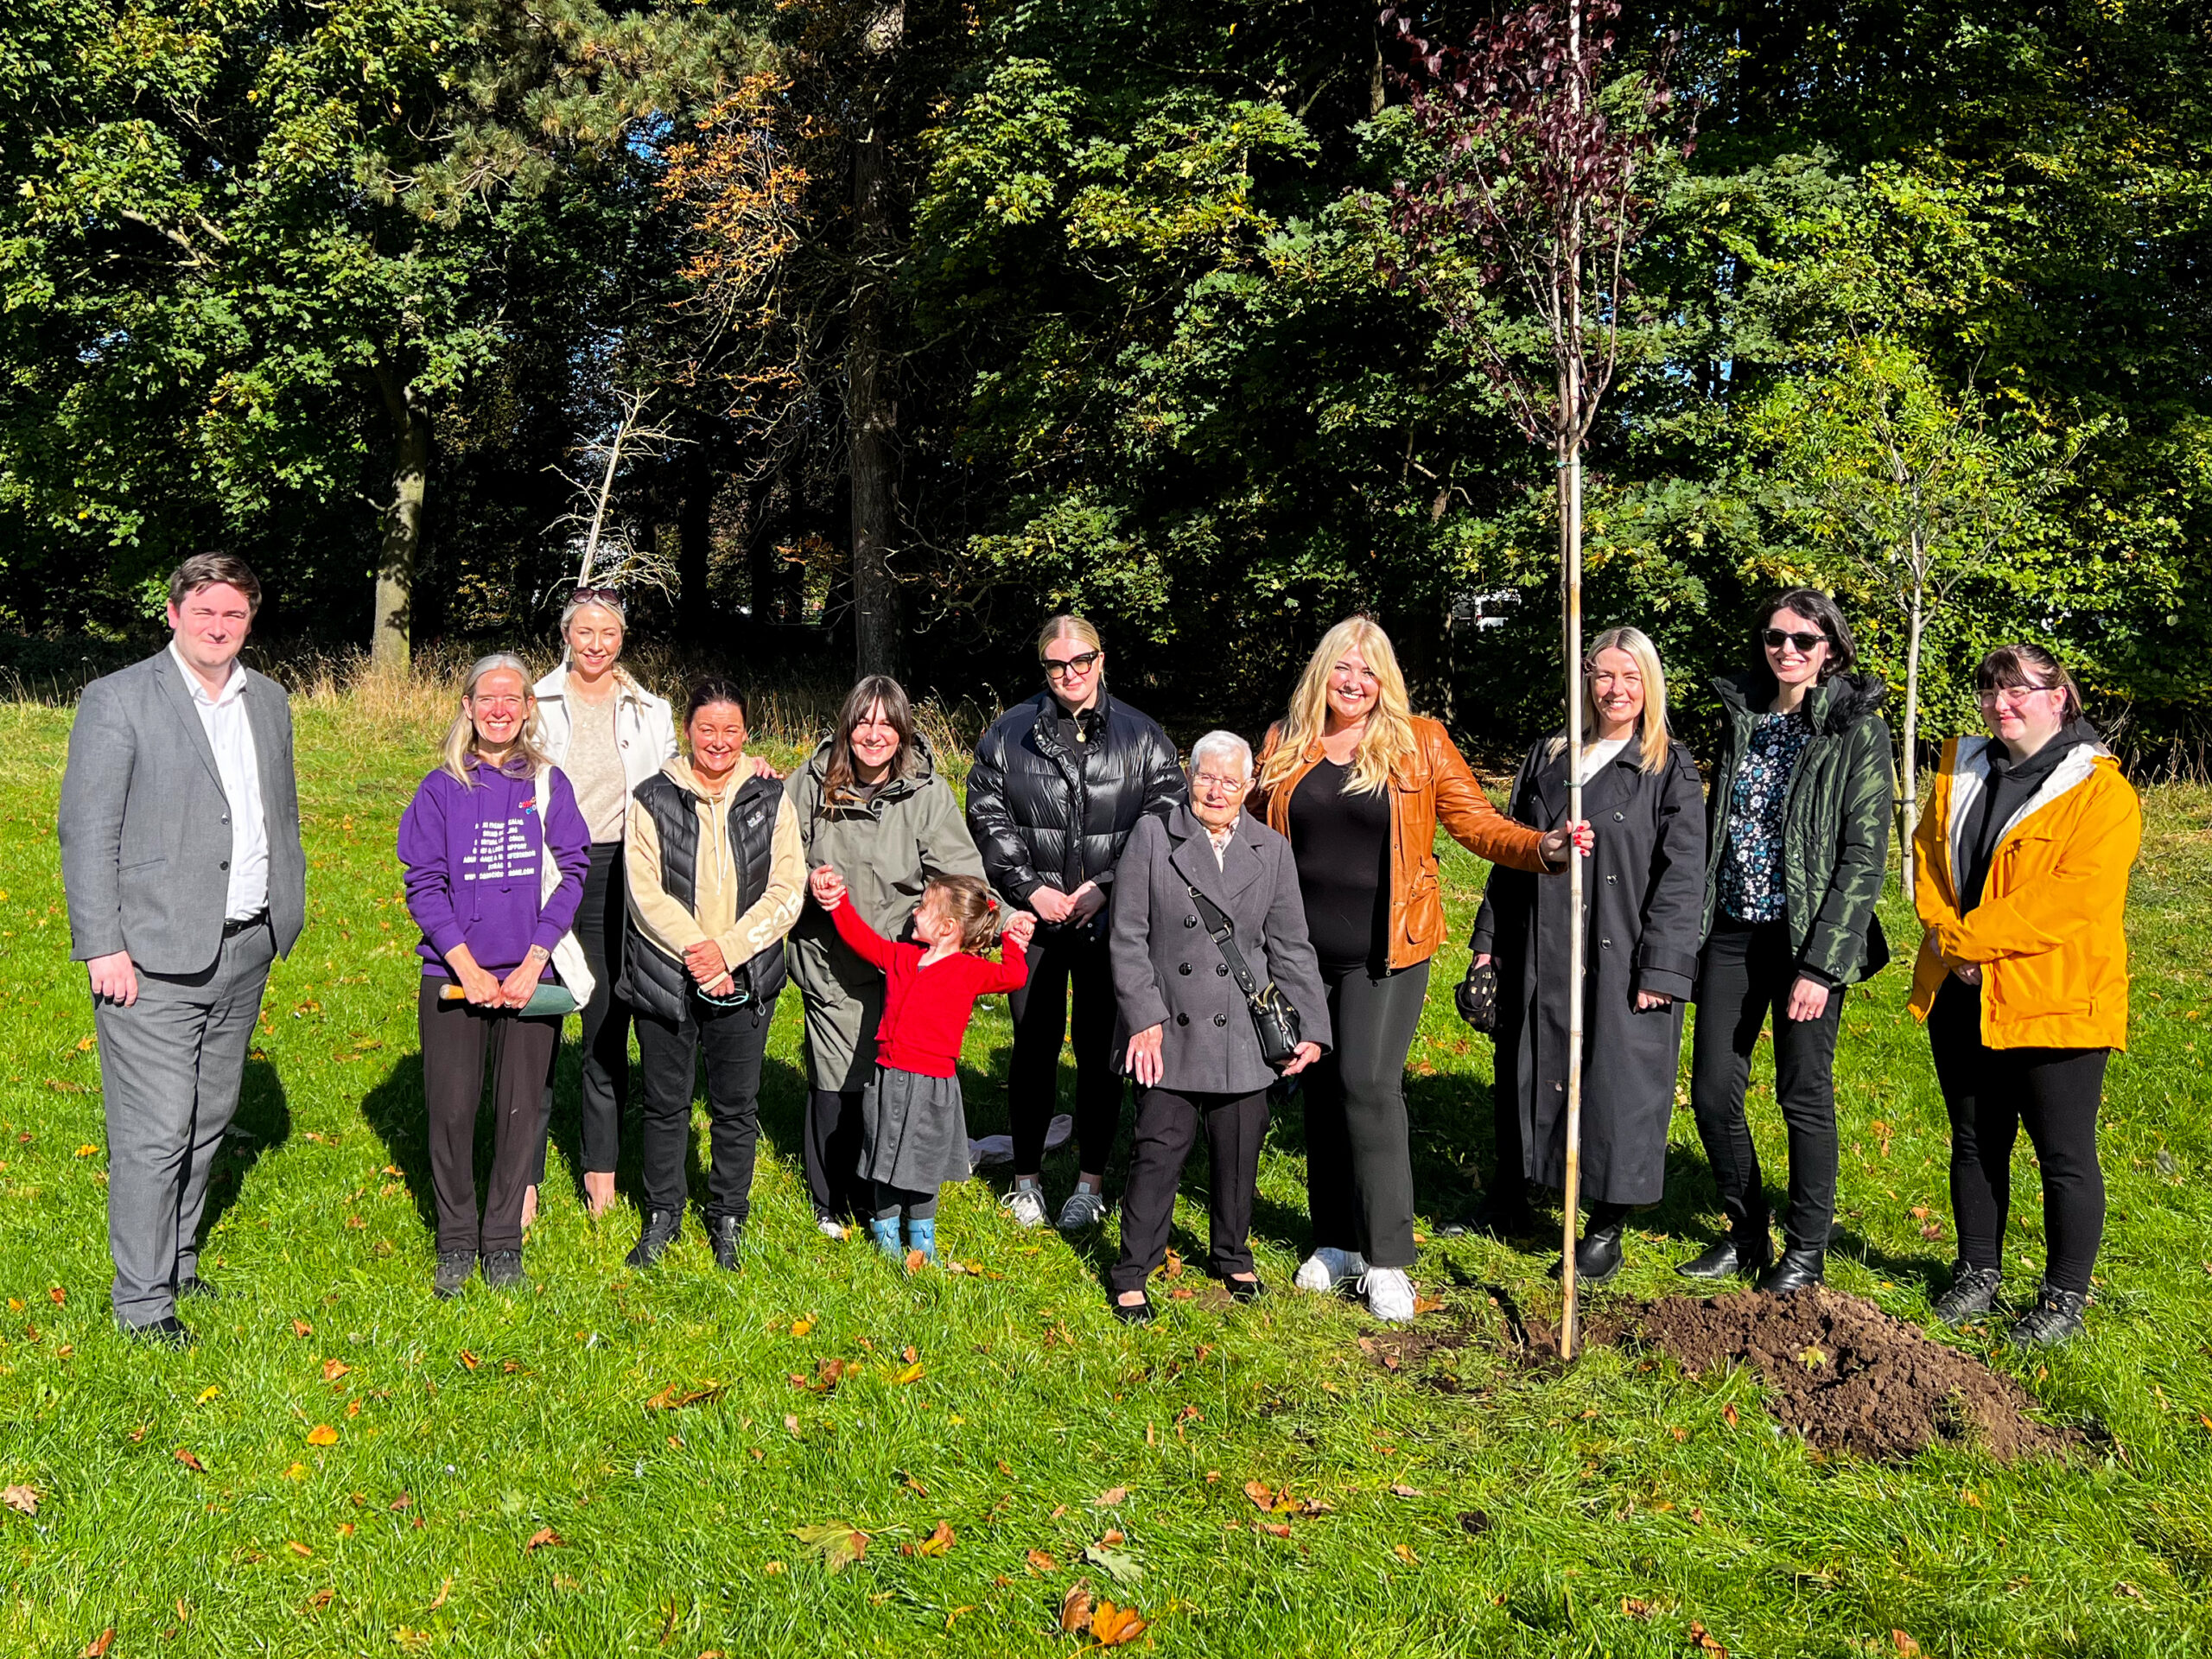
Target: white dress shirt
point(230, 733)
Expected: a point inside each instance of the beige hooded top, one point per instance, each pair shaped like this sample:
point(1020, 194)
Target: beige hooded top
point(713, 916)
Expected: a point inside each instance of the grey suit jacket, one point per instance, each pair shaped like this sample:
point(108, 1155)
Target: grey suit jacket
point(1167, 971)
point(145, 828)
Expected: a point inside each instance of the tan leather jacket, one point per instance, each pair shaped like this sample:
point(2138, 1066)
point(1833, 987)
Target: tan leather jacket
point(1431, 785)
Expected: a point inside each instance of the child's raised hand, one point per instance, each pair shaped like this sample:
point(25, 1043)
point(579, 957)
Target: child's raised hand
point(827, 886)
point(1021, 927)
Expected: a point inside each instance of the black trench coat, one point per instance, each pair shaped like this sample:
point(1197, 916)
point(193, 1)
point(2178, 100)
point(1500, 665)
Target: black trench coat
point(1645, 883)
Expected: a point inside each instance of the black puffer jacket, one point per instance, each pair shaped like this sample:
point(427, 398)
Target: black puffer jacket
point(1045, 813)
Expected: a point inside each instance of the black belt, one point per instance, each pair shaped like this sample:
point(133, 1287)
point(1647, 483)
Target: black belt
point(260, 919)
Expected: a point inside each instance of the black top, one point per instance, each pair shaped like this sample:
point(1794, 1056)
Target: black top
point(2012, 784)
point(1342, 841)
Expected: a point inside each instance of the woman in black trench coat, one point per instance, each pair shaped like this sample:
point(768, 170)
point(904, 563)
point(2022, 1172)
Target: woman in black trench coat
point(1646, 892)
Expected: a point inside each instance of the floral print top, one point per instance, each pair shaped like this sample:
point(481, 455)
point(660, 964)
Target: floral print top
point(1752, 887)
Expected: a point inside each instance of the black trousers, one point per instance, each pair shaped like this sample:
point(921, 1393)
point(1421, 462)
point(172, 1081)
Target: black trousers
point(606, 1081)
point(1359, 1167)
point(886, 1203)
point(832, 1155)
point(1062, 962)
point(456, 1037)
point(1745, 973)
point(1990, 1093)
point(1168, 1122)
point(734, 1040)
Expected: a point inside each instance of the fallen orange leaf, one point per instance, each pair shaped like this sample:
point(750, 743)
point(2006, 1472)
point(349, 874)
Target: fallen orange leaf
point(1405, 1554)
point(916, 1260)
point(1040, 1563)
point(22, 1499)
point(98, 1647)
point(298, 1548)
point(541, 1538)
point(937, 1543)
point(1112, 1497)
point(1277, 1528)
point(302, 1328)
point(1076, 1608)
point(190, 1462)
point(912, 1374)
point(1112, 1626)
point(323, 1434)
point(335, 1369)
point(468, 1360)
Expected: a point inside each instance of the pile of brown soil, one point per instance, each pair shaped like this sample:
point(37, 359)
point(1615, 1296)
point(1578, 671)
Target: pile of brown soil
point(1848, 1376)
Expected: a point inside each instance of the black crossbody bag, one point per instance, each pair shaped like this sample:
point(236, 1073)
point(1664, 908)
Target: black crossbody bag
point(1275, 1017)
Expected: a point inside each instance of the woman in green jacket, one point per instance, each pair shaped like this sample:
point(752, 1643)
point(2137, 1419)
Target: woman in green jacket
point(870, 802)
point(1797, 845)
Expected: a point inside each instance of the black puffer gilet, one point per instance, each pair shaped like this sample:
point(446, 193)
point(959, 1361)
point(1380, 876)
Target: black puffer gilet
point(659, 983)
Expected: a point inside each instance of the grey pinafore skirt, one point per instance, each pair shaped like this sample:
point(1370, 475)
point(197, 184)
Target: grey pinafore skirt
point(916, 1130)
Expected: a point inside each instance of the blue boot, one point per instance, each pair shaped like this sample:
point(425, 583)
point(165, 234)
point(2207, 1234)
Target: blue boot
point(922, 1235)
point(885, 1232)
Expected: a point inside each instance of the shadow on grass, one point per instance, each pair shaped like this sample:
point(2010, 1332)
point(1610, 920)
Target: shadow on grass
point(261, 1123)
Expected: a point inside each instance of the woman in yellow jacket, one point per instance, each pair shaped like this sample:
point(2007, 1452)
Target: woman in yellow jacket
point(2023, 855)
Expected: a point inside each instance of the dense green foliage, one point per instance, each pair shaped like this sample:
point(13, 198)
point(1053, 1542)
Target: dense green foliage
point(1625, 1503)
point(1146, 362)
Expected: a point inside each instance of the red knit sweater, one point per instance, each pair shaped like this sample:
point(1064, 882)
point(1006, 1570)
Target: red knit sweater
point(925, 1010)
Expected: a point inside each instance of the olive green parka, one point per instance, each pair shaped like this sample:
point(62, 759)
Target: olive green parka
point(1836, 832)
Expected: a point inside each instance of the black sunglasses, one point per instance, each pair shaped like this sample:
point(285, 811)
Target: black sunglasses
point(610, 597)
point(1777, 637)
point(1080, 664)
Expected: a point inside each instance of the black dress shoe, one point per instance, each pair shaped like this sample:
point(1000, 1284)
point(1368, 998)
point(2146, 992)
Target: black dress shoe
point(661, 1228)
point(1731, 1256)
point(1597, 1256)
point(167, 1332)
point(1799, 1268)
point(1245, 1290)
point(725, 1236)
point(1501, 1215)
point(197, 1286)
point(1137, 1313)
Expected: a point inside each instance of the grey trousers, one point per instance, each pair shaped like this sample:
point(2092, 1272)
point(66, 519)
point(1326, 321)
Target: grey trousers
point(170, 1066)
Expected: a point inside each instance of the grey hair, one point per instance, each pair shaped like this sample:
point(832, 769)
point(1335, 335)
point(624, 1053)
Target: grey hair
point(1223, 743)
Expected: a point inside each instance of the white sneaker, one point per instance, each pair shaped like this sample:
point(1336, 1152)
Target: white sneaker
point(1084, 1208)
point(1027, 1204)
point(1389, 1294)
point(1327, 1268)
point(829, 1227)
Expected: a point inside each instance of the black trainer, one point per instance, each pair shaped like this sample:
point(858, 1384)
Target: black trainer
point(726, 1236)
point(1972, 1293)
point(662, 1227)
point(167, 1332)
point(503, 1270)
point(2055, 1318)
point(454, 1268)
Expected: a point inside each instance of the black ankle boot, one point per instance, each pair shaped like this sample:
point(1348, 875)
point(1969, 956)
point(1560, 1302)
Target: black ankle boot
point(1800, 1268)
point(1596, 1253)
point(1745, 1248)
point(1503, 1213)
point(661, 1228)
point(725, 1236)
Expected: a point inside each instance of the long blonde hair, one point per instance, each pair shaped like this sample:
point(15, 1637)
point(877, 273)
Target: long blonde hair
point(1651, 725)
point(461, 736)
point(1388, 737)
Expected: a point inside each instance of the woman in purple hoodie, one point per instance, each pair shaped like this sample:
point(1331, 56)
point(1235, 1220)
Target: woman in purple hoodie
point(496, 851)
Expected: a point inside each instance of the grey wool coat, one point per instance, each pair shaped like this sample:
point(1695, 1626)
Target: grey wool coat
point(145, 825)
point(1645, 893)
point(886, 849)
point(1167, 970)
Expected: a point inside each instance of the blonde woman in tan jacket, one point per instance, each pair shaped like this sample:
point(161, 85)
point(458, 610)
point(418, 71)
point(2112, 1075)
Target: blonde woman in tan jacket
point(716, 878)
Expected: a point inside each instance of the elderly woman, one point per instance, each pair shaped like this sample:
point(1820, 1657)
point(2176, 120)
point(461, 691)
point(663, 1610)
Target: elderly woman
point(872, 804)
point(1190, 1047)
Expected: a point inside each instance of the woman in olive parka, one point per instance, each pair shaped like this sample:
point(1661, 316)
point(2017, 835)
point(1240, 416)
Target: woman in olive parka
point(1797, 843)
point(871, 802)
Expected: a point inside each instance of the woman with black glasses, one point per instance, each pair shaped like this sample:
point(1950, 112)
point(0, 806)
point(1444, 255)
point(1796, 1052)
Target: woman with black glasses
point(1797, 843)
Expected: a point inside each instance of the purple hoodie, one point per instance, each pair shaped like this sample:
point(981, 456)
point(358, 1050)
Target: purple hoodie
point(472, 859)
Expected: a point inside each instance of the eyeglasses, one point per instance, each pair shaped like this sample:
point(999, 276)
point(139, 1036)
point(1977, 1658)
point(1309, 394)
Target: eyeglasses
point(2013, 696)
point(1074, 667)
point(1207, 783)
point(1777, 637)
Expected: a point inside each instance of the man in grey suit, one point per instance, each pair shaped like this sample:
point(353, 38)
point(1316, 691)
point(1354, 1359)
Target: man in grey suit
point(180, 854)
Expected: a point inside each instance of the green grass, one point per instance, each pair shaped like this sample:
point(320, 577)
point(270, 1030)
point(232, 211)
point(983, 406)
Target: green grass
point(464, 1429)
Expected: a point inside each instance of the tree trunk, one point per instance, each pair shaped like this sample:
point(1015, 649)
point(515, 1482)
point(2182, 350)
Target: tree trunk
point(871, 405)
point(391, 635)
point(1916, 619)
point(694, 543)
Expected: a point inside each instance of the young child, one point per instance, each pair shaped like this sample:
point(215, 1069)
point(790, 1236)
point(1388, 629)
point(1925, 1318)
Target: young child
point(914, 1125)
